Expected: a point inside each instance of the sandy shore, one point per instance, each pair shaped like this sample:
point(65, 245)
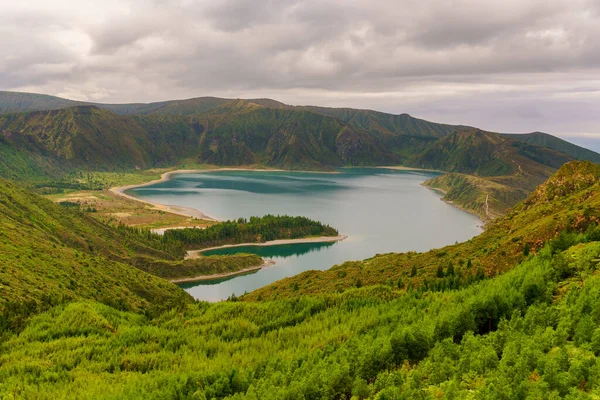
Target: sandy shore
point(223, 275)
point(161, 231)
point(319, 239)
point(185, 211)
point(401, 168)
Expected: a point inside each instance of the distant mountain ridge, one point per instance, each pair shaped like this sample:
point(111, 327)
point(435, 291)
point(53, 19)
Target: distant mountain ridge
point(44, 136)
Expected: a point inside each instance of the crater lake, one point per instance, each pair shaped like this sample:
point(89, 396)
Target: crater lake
point(380, 210)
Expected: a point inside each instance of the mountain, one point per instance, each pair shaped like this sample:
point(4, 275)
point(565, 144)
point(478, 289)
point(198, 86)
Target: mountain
point(508, 314)
point(489, 172)
point(487, 154)
point(83, 136)
point(378, 122)
point(14, 102)
point(552, 142)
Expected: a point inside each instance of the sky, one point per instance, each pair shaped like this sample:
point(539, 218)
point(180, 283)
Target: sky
point(506, 66)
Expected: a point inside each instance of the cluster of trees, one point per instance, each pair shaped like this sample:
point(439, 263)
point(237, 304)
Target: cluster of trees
point(252, 230)
point(532, 332)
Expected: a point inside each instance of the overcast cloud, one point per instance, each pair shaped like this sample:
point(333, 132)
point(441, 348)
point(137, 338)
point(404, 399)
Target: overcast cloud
point(510, 66)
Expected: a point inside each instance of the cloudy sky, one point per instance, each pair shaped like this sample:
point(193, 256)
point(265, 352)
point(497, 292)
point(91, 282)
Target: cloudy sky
point(510, 66)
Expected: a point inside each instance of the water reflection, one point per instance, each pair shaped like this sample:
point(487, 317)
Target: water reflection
point(189, 285)
point(280, 250)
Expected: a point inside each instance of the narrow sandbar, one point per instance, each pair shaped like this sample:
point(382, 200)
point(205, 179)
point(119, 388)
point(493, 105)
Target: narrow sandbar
point(319, 239)
point(224, 274)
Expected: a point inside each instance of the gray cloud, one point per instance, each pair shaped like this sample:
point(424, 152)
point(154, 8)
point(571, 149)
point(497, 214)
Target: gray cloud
point(509, 66)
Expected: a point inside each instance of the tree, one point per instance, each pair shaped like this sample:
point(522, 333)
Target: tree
point(526, 249)
point(440, 272)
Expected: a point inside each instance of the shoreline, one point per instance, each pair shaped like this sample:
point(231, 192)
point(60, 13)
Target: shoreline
point(189, 211)
point(191, 254)
point(179, 210)
point(196, 213)
point(213, 277)
point(402, 168)
point(161, 231)
point(472, 212)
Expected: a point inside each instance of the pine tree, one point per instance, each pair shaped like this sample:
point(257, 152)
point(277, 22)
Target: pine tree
point(440, 272)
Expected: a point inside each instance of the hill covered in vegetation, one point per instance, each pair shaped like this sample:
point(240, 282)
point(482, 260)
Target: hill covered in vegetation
point(509, 314)
point(488, 173)
point(50, 254)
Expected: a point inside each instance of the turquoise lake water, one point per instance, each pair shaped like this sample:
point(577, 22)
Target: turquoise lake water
point(380, 210)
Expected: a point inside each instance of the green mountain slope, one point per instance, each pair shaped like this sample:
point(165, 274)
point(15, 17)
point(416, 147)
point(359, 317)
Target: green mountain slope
point(487, 154)
point(237, 133)
point(375, 121)
point(84, 136)
point(14, 102)
point(515, 319)
point(489, 172)
point(285, 138)
point(552, 142)
point(50, 254)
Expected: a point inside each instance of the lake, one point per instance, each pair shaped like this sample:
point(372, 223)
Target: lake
point(381, 211)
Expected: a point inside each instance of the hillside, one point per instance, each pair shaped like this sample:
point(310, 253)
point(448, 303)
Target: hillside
point(84, 137)
point(50, 254)
point(15, 102)
point(488, 172)
point(509, 314)
point(238, 133)
point(390, 124)
point(552, 142)
point(243, 133)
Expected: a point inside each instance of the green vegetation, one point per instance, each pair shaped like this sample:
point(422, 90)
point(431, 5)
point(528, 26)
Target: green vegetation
point(488, 173)
point(53, 253)
point(202, 266)
point(253, 230)
point(387, 124)
point(50, 254)
point(530, 333)
point(509, 314)
point(485, 197)
point(554, 143)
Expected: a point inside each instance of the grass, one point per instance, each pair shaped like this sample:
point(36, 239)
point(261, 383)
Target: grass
point(111, 208)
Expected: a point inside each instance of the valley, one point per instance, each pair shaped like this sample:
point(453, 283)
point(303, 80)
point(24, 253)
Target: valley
point(418, 301)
